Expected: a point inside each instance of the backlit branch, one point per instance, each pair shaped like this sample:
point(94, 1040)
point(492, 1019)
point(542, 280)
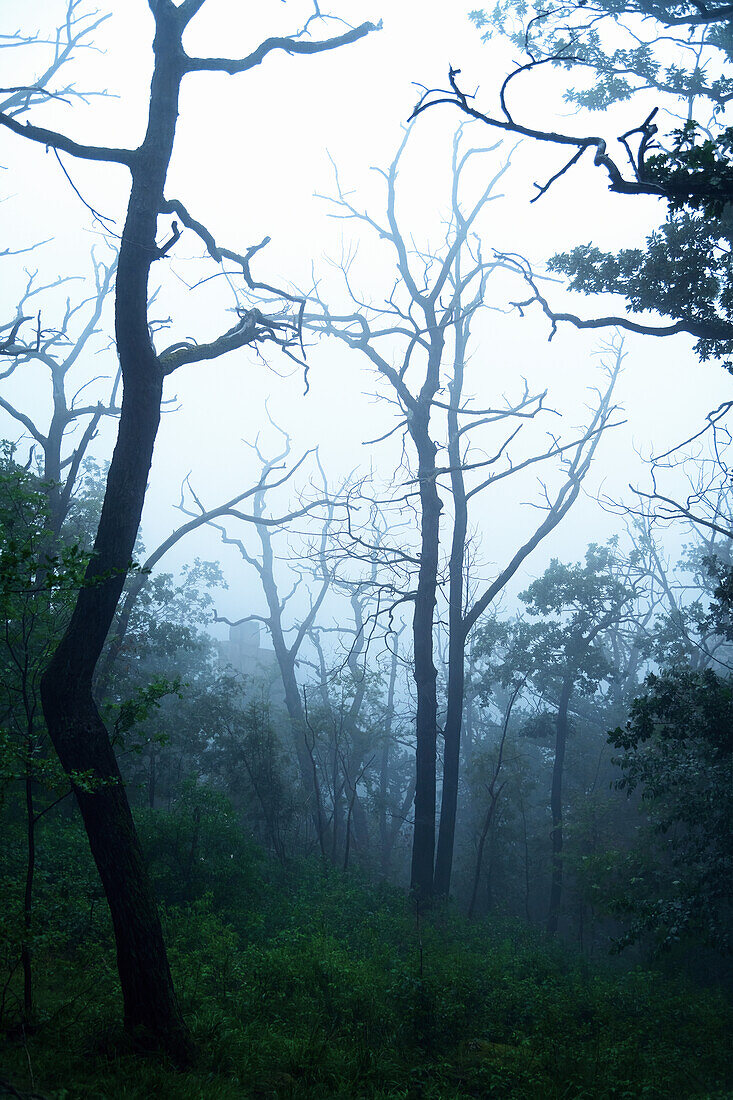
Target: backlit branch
point(456, 97)
point(287, 45)
point(60, 141)
point(703, 330)
point(73, 35)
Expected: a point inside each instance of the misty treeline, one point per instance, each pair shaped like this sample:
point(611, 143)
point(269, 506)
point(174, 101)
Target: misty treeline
point(434, 730)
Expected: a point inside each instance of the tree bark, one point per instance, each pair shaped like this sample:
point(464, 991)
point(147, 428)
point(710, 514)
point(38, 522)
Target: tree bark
point(423, 848)
point(78, 733)
point(386, 831)
point(456, 627)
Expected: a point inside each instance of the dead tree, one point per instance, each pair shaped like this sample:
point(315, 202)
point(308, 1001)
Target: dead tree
point(574, 458)
point(59, 349)
point(420, 314)
point(428, 317)
point(74, 34)
point(689, 491)
point(343, 675)
point(199, 518)
point(75, 726)
point(286, 650)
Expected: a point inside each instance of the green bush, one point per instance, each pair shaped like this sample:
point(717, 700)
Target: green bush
point(198, 847)
point(310, 985)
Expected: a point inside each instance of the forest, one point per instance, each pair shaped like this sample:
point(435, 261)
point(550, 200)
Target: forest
point(366, 550)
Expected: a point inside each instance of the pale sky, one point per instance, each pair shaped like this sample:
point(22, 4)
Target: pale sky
point(252, 152)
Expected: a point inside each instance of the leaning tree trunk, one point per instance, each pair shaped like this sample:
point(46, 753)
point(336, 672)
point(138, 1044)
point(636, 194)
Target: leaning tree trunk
point(75, 726)
point(561, 738)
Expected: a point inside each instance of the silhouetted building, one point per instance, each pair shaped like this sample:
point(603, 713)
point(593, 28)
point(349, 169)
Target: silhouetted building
point(259, 666)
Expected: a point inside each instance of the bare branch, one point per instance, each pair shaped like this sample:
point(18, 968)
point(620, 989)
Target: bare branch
point(456, 97)
point(287, 45)
point(705, 330)
point(59, 141)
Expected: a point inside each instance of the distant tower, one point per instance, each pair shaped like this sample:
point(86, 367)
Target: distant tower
point(259, 665)
point(244, 646)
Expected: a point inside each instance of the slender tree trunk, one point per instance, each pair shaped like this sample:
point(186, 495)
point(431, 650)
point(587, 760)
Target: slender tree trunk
point(480, 853)
point(469, 696)
point(453, 722)
point(423, 847)
point(493, 797)
point(385, 832)
point(525, 845)
point(556, 804)
point(337, 788)
point(286, 656)
point(385, 849)
point(296, 714)
point(347, 842)
point(360, 827)
point(456, 631)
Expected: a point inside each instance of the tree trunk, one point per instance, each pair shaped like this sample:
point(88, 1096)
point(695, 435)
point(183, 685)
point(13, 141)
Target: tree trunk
point(152, 776)
point(556, 804)
point(286, 657)
point(423, 847)
point(386, 832)
point(480, 853)
point(360, 827)
point(456, 631)
point(78, 733)
point(296, 714)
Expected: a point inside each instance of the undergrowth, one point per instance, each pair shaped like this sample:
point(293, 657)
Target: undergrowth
point(311, 983)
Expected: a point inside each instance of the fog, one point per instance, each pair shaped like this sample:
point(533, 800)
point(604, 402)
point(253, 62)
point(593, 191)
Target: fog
point(371, 706)
point(254, 157)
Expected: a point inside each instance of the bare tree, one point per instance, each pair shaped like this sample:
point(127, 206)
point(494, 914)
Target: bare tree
point(344, 675)
point(427, 318)
point(464, 611)
point(199, 517)
point(59, 349)
point(422, 324)
point(704, 457)
point(689, 496)
point(286, 650)
point(75, 726)
point(74, 33)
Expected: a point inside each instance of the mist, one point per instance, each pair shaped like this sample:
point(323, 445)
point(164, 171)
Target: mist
point(366, 549)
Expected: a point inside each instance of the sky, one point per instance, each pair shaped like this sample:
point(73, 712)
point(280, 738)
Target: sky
point(254, 157)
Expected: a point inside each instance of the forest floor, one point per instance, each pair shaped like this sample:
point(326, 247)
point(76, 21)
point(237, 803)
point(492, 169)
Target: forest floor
point(317, 984)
